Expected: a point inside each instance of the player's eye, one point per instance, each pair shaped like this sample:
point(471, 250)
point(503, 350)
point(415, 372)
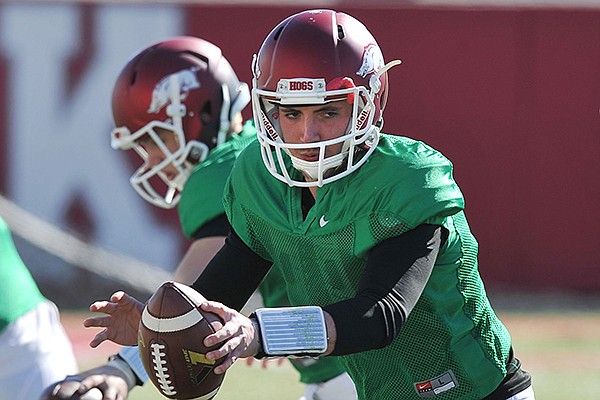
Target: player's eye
point(329, 114)
point(290, 114)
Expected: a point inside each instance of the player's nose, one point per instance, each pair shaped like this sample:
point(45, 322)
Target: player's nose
point(310, 131)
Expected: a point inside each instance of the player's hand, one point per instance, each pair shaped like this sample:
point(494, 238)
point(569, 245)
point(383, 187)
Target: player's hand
point(109, 380)
point(123, 314)
point(237, 337)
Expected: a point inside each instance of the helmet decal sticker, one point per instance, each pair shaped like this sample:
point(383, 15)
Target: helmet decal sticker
point(372, 61)
point(270, 130)
point(188, 81)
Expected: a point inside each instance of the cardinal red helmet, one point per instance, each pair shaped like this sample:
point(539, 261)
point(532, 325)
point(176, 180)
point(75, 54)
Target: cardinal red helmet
point(315, 57)
point(182, 86)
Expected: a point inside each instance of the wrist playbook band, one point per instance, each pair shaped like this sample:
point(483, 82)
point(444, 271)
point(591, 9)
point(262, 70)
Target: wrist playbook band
point(131, 356)
point(291, 331)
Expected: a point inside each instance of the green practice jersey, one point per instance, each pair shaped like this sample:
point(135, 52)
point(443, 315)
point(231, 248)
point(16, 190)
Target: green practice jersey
point(452, 345)
point(202, 196)
point(18, 291)
point(202, 200)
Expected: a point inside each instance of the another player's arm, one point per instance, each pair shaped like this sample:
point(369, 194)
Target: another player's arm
point(206, 242)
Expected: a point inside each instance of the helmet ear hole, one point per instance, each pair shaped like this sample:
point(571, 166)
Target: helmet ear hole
point(133, 78)
point(205, 113)
point(209, 124)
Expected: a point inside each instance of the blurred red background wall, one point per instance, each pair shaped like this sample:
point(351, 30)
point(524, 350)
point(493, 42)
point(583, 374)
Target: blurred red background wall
point(511, 96)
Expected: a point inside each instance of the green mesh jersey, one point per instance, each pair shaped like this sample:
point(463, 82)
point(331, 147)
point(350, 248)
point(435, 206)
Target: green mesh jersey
point(202, 196)
point(452, 346)
point(202, 200)
point(18, 291)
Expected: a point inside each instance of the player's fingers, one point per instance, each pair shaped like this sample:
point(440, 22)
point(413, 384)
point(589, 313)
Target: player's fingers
point(90, 382)
point(231, 335)
point(233, 346)
point(64, 389)
point(229, 328)
point(219, 353)
point(97, 322)
point(99, 338)
point(52, 392)
point(221, 369)
point(118, 296)
point(217, 308)
point(237, 346)
point(112, 387)
point(103, 306)
point(107, 392)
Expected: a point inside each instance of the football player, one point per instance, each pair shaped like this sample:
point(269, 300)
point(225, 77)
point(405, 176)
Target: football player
point(368, 230)
point(34, 345)
point(178, 105)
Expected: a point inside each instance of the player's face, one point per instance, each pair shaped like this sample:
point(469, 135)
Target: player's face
point(156, 155)
point(311, 124)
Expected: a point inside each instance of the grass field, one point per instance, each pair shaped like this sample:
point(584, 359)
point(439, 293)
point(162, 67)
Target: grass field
point(561, 350)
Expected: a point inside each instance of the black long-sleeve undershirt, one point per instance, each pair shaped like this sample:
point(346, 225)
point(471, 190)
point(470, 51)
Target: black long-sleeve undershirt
point(218, 226)
point(392, 281)
point(397, 269)
point(233, 274)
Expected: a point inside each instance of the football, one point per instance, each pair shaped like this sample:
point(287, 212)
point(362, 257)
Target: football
point(170, 337)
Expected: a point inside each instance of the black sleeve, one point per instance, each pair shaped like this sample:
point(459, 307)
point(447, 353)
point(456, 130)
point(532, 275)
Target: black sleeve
point(396, 272)
point(233, 274)
point(218, 226)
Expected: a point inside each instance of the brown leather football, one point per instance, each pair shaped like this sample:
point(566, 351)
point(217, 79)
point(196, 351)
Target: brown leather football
point(170, 338)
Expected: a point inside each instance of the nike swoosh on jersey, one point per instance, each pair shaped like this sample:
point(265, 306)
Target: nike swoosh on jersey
point(322, 221)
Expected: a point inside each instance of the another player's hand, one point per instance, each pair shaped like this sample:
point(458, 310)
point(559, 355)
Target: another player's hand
point(121, 322)
point(109, 380)
point(237, 336)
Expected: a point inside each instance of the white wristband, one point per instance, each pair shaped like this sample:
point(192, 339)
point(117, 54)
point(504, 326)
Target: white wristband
point(292, 331)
